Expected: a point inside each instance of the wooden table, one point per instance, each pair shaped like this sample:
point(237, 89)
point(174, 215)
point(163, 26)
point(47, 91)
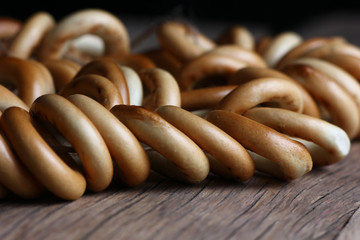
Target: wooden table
point(323, 204)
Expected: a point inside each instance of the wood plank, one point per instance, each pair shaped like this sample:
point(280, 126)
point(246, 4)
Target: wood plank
point(320, 205)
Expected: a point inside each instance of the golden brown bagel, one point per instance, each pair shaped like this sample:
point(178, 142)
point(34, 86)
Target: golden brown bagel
point(279, 46)
point(124, 148)
point(109, 69)
point(81, 133)
point(14, 175)
point(50, 170)
point(182, 40)
point(96, 87)
point(86, 21)
point(162, 86)
point(27, 76)
point(199, 70)
point(31, 34)
point(282, 157)
point(184, 160)
point(261, 90)
point(252, 72)
point(228, 158)
point(338, 103)
point(331, 138)
point(304, 47)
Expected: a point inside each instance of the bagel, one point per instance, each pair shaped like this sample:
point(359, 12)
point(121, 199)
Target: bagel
point(337, 102)
point(96, 87)
point(14, 176)
point(252, 72)
point(228, 158)
point(331, 138)
point(183, 159)
point(81, 133)
point(86, 21)
point(27, 76)
point(64, 181)
point(162, 86)
point(30, 35)
point(280, 45)
point(199, 70)
point(282, 157)
point(285, 93)
point(304, 47)
point(182, 40)
point(109, 69)
point(125, 149)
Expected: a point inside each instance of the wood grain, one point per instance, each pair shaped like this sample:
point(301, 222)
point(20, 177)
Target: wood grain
point(323, 204)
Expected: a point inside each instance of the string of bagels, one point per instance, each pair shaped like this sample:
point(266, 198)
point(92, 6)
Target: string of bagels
point(81, 110)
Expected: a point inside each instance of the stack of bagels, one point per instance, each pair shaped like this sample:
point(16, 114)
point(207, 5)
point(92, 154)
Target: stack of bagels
point(81, 109)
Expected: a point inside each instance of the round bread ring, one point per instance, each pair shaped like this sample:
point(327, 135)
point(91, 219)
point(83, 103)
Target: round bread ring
point(96, 87)
point(109, 69)
point(182, 40)
point(252, 72)
point(163, 88)
point(229, 159)
point(339, 104)
point(163, 59)
point(93, 21)
point(62, 71)
point(250, 57)
point(14, 175)
point(81, 133)
point(286, 158)
point(335, 47)
point(305, 47)
point(31, 34)
point(9, 99)
point(207, 65)
point(204, 98)
point(349, 83)
point(238, 35)
point(184, 160)
point(279, 46)
point(349, 63)
point(124, 148)
point(135, 86)
point(27, 76)
point(328, 136)
point(59, 178)
point(261, 90)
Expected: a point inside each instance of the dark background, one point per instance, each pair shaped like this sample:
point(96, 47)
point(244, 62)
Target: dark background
point(278, 15)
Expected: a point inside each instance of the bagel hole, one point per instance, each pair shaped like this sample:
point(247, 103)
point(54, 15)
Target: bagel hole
point(58, 143)
point(212, 80)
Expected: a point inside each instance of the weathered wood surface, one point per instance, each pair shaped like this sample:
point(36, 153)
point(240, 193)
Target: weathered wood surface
point(323, 204)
